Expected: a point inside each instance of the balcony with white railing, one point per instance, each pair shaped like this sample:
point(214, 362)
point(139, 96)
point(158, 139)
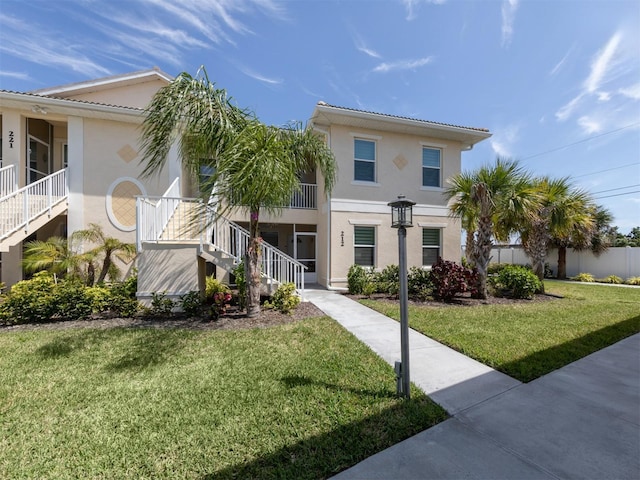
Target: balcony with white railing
point(24, 206)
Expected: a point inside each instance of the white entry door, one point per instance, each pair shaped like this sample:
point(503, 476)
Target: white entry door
point(304, 250)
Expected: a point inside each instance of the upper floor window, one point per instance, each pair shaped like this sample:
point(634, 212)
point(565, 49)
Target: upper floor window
point(431, 159)
point(365, 246)
point(365, 160)
point(430, 246)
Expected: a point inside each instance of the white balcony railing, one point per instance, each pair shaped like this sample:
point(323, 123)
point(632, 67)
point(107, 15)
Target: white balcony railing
point(8, 183)
point(22, 206)
point(306, 198)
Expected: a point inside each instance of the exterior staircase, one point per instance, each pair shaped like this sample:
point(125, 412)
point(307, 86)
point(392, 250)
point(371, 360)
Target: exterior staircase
point(171, 221)
point(25, 210)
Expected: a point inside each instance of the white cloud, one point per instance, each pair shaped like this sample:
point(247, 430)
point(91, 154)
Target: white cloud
point(589, 125)
point(561, 63)
point(509, 8)
point(632, 92)
point(504, 139)
point(602, 63)
point(362, 47)
point(567, 109)
point(386, 67)
point(256, 76)
point(411, 6)
point(16, 75)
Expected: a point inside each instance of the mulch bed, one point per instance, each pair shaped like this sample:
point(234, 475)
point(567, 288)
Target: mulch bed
point(236, 319)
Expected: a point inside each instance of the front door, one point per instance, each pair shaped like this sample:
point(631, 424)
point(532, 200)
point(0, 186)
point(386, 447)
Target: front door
point(304, 250)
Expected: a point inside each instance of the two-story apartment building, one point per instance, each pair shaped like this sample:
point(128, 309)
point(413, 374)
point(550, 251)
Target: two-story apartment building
point(88, 134)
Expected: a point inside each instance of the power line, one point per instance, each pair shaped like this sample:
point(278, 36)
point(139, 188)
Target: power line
point(616, 195)
point(580, 141)
point(619, 188)
point(606, 170)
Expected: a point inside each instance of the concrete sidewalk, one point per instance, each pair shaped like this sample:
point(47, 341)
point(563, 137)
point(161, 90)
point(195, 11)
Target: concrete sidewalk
point(581, 421)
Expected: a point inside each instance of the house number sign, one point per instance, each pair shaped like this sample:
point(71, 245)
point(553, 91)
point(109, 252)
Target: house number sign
point(10, 138)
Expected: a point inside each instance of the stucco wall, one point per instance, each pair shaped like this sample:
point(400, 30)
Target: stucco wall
point(137, 96)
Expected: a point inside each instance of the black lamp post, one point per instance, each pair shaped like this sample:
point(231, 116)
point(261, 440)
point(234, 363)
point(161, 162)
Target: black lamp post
point(401, 218)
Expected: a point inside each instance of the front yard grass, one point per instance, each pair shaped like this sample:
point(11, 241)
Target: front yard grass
point(303, 400)
point(527, 340)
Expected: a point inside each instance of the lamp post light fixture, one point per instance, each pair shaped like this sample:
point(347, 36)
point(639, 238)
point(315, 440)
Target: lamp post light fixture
point(402, 218)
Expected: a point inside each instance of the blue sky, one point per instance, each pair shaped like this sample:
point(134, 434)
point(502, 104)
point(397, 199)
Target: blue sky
point(557, 82)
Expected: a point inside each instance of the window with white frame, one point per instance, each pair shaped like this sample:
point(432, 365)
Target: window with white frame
point(365, 246)
point(364, 168)
point(430, 246)
point(431, 159)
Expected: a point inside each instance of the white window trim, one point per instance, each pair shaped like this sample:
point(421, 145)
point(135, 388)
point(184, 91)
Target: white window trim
point(432, 247)
point(374, 139)
point(434, 146)
point(365, 222)
point(375, 246)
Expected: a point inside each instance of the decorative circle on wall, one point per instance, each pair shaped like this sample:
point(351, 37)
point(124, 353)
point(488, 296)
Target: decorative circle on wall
point(121, 202)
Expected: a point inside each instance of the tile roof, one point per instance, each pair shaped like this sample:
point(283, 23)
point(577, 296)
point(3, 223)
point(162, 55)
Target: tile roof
point(428, 122)
point(71, 100)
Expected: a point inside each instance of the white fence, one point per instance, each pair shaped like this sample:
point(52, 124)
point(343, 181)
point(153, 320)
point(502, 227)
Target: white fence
point(621, 261)
point(8, 182)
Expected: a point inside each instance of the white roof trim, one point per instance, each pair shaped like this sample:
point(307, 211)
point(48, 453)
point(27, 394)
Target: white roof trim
point(89, 84)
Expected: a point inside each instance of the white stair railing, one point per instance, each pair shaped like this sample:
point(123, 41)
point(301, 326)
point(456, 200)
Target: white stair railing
point(188, 222)
point(8, 183)
point(22, 206)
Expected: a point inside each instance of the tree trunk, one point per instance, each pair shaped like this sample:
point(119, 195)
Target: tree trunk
point(483, 253)
point(106, 264)
point(252, 268)
point(562, 263)
point(536, 248)
point(470, 245)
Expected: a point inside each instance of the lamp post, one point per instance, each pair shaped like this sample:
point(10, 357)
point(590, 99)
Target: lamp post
point(401, 218)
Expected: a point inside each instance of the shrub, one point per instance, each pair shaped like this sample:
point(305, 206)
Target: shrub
point(388, 280)
point(213, 286)
point(584, 277)
point(160, 304)
point(516, 282)
point(632, 281)
point(284, 298)
point(450, 279)
point(71, 300)
point(191, 304)
point(30, 301)
point(419, 283)
point(357, 279)
point(219, 305)
point(100, 298)
point(495, 268)
point(122, 297)
point(612, 279)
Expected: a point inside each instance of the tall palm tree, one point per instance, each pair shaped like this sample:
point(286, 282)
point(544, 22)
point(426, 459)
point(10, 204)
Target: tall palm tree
point(254, 166)
point(495, 198)
point(106, 248)
point(561, 212)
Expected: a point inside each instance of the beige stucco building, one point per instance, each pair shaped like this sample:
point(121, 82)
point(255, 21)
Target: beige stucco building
point(75, 151)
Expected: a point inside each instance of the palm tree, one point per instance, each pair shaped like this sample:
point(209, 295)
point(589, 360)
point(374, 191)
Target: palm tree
point(107, 248)
point(464, 208)
point(54, 255)
point(561, 212)
point(254, 166)
point(495, 198)
point(593, 234)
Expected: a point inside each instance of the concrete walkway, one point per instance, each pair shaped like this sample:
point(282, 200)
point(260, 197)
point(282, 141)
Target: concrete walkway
point(581, 421)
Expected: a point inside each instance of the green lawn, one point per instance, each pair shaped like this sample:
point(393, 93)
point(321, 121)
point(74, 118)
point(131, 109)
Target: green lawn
point(530, 339)
point(304, 400)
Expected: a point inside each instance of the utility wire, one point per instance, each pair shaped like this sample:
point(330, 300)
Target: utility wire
point(606, 170)
point(580, 141)
point(619, 188)
point(616, 195)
